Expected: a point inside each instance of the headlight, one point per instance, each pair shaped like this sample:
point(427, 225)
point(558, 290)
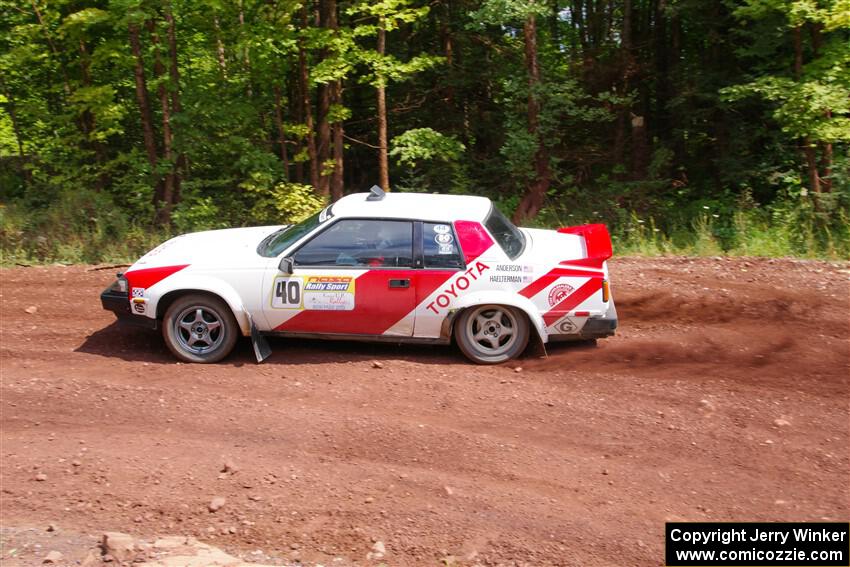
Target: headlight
point(119, 284)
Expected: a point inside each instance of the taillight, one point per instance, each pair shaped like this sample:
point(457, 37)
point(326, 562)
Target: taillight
point(606, 291)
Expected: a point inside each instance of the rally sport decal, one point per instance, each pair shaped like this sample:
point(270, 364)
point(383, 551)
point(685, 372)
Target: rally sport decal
point(316, 293)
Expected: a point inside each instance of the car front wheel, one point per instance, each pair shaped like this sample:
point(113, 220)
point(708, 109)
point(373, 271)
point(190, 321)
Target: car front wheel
point(490, 334)
point(200, 328)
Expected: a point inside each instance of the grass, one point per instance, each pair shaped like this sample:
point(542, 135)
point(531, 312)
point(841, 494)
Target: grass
point(746, 235)
point(64, 236)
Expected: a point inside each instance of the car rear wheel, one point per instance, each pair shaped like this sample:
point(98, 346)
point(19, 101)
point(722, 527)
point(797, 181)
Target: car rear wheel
point(200, 328)
point(490, 334)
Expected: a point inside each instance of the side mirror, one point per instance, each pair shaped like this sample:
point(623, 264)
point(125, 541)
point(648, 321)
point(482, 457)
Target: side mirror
point(285, 265)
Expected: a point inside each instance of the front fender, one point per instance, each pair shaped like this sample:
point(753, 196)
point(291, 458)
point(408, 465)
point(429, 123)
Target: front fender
point(209, 284)
point(512, 300)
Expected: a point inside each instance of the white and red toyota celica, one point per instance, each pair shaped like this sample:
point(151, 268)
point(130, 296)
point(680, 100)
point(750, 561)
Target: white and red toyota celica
point(401, 267)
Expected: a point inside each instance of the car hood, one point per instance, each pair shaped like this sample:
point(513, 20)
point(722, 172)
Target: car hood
point(232, 247)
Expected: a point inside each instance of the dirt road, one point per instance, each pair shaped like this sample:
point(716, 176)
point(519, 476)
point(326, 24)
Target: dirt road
point(723, 397)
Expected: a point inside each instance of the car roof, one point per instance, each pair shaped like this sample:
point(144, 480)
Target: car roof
point(419, 206)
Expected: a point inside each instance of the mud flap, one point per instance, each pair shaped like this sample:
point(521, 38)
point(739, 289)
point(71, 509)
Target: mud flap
point(262, 350)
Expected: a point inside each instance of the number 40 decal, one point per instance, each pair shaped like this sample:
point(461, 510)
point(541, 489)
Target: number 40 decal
point(287, 293)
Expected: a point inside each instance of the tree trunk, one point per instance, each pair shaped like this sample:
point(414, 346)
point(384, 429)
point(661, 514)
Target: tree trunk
point(222, 60)
point(246, 56)
point(163, 213)
point(535, 193)
point(88, 123)
point(809, 150)
point(627, 63)
point(143, 100)
point(448, 50)
point(812, 167)
point(297, 110)
point(826, 167)
point(281, 135)
point(337, 180)
point(383, 159)
point(798, 53)
point(335, 98)
point(304, 78)
point(326, 15)
point(323, 148)
point(174, 75)
point(660, 123)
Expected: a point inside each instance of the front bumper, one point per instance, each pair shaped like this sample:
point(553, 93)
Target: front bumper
point(118, 303)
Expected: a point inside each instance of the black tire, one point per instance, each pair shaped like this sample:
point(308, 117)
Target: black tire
point(200, 328)
point(490, 334)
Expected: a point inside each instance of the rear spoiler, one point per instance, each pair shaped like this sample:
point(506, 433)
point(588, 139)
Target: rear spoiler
point(597, 243)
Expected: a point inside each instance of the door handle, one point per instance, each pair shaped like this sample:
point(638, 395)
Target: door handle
point(400, 283)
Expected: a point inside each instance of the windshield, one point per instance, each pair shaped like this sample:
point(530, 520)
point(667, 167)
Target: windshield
point(506, 234)
point(280, 240)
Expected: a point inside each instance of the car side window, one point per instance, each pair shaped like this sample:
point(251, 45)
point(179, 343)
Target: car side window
point(360, 243)
point(440, 246)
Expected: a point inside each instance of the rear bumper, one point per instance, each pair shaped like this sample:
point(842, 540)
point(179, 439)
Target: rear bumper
point(594, 328)
point(598, 328)
point(118, 303)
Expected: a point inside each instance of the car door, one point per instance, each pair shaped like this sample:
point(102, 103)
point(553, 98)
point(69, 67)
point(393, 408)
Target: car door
point(355, 277)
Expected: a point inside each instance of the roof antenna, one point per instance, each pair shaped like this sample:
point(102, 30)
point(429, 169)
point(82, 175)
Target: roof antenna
point(376, 194)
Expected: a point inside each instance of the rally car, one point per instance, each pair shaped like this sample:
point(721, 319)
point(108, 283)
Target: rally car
point(398, 267)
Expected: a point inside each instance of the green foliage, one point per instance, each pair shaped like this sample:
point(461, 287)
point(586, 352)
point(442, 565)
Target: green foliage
point(430, 161)
point(281, 203)
point(425, 144)
point(703, 127)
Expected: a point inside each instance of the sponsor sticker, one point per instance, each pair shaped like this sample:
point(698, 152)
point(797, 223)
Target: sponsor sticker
point(457, 287)
point(446, 249)
point(505, 279)
point(139, 307)
point(287, 293)
point(442, 229)
point(329, 293)
point(319, 293)
point(513, 268)
point(559, 293)
point(566, 326)
point(138, 292)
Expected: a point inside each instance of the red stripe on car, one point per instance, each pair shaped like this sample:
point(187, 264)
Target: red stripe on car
point(585, 263)
point(573, 300)
point(544, 281)
point(148, 277)
point(395, 306)
point(364, 319)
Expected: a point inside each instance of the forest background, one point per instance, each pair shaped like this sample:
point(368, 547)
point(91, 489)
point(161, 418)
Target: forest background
point(687, 126)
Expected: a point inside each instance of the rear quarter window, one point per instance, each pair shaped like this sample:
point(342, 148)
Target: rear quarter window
point(506, 234)
point(440, 246)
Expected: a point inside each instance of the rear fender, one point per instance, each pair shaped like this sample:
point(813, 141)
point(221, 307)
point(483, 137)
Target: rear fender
point(501, 298)
point(206, 284)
